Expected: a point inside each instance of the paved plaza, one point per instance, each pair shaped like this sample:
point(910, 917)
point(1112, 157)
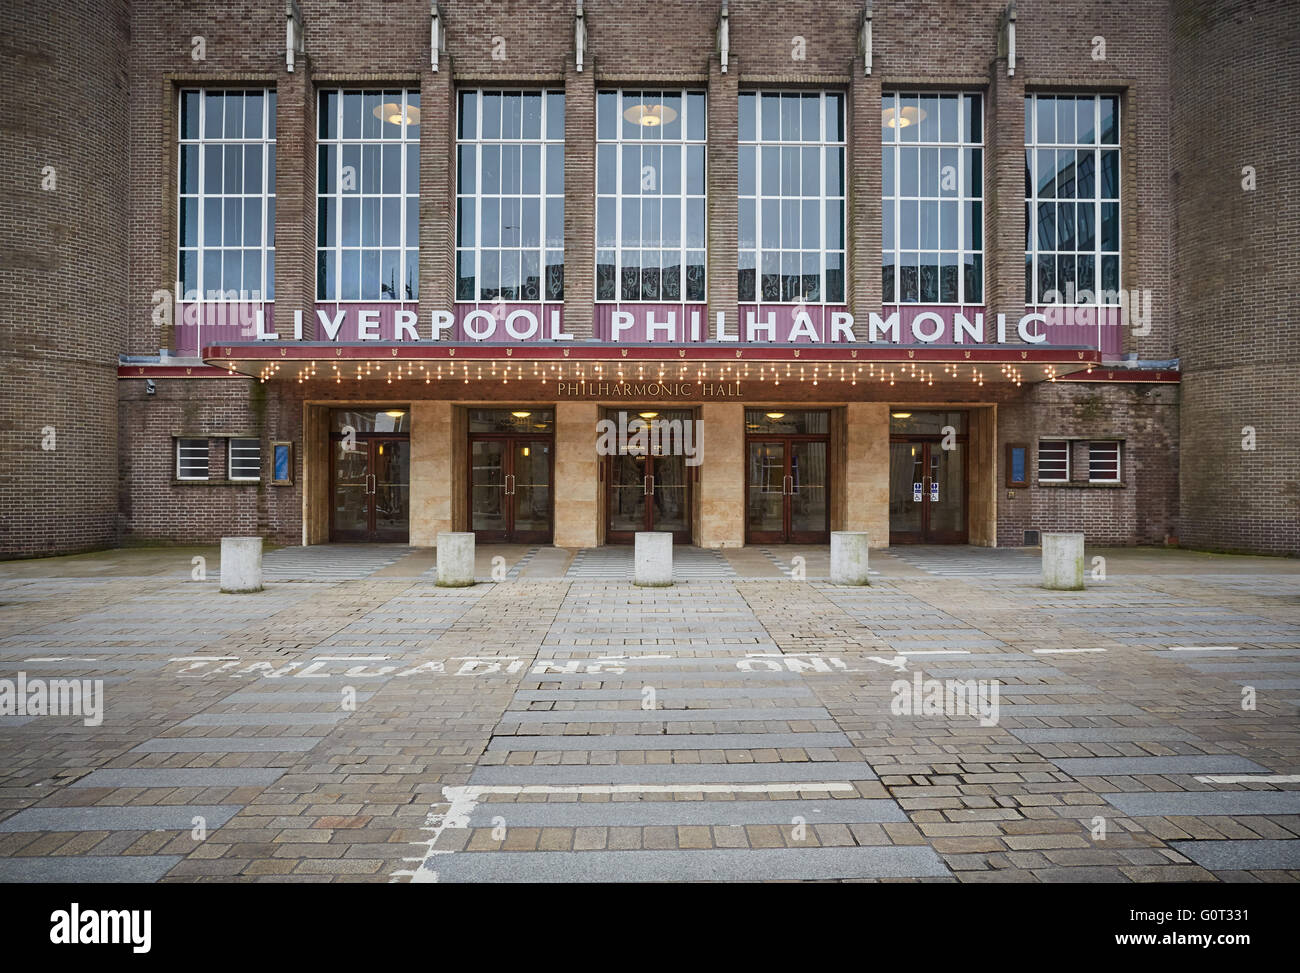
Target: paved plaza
point(354, 722)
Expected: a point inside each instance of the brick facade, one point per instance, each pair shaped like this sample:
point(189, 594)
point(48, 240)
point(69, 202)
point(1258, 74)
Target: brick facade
point(96, 252)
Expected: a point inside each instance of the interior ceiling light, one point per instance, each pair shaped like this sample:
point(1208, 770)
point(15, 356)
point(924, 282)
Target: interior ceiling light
point(391, 112)
point(776, 415)
point(901, 415)
point(650, 116)
point(395, 413)
point(910, 115)
point(521, 415)
point(647, 415)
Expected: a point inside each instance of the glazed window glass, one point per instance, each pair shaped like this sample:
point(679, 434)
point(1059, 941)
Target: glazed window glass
point(1072, 174)
point(650, 191)
point(368, 196)
point(791, 217)
point(510, 196)
point(226, 195)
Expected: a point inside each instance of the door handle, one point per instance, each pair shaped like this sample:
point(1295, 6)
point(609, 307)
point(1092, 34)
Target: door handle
point(787, 485)
point(652, 485)
point(510, 484)
point(370, 478)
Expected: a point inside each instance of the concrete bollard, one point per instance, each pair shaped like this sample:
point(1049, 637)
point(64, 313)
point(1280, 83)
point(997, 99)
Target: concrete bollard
point(241, 564)
point(455, 560)
point(654, 559)
point(849, 557)
point(1063, 562)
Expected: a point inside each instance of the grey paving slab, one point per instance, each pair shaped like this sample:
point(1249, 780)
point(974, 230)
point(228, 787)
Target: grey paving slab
point(1136, 766)
point(1021, 710)
point(1234, 855)
point(1038, 689)
point(88, 868)
point(227, 745)
point(721, 865)
point(670, 694)
point(291, 696)
point(708, 714)
point(645, 813)
point(181, 777)
point(785, 772)
point(1232, 803)
point(670, 741)
point(988, 672)
point(171, 817)
point(686, 675)
point(1269, 683)
point(265, 719)
point(14, 720)
point(1099, 734)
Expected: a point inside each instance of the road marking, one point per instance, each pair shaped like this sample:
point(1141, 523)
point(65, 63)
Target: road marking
point(1203, 648)
point(1250, 779)
point(933, 652)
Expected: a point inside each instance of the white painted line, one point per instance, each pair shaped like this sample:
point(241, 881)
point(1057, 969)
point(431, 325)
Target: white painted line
point(1203, 648)
point(1063, 651)
point(934, 652)
point(1250, 779)
point(62, 658)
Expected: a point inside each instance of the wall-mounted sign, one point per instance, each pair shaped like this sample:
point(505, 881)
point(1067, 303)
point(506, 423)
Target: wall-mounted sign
point(647, 390)
point(282, 463)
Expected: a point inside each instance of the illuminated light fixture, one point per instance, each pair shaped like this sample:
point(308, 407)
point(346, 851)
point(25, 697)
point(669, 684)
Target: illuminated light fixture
point(526, 451)
point(392, 113)
point(395, 413)
point(647, 415)
point(901, 415)
point(521, 415)
point(651, 116)
point(903, 118)
point(775, 415)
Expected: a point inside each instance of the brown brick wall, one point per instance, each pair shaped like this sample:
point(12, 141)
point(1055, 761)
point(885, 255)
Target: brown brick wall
point(1236, 68)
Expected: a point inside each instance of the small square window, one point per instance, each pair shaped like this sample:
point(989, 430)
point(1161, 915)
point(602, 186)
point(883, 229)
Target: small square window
point(191, 459)
point(1017, 465)
point(1103, 462)
point(245, 459)
point(1053, 461)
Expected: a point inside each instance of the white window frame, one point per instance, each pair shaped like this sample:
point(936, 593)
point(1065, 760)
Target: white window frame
point(207, 452)
point(1118, 449)
point(545, 192)
point(1033, 145)
point(892, 140)
point(824, 146)
point(230, 458)
point(202, 250)
point(1038, 461)
point(336, 248)
point(683, 144)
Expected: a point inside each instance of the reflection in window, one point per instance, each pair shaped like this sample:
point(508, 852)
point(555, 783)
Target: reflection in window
point(368, 196)
point(226, 194)
point(510, 196)
point(932, 220)
point(650, 222)
point(792, 197)
point(1072, 199)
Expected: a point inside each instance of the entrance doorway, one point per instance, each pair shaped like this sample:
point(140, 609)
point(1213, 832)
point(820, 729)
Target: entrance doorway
point(648, 486)
point(927, 478)
point(511, 455)
point(788, 477)
point(370, 473)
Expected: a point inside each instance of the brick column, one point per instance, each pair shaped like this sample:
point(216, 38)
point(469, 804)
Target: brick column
point(1004, 197)
point(437, 190)
point(863, 284)
point(579, 200)
point(723, 259)
point(295, 200)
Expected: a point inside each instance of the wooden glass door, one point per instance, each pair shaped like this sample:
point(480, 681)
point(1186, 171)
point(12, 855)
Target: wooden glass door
point(787, 491)
point(372, 489)
point(645, 492)
point(927, 492)
point(510, 497)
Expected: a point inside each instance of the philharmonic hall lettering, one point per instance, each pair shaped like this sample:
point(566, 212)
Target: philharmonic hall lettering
point(643, 390)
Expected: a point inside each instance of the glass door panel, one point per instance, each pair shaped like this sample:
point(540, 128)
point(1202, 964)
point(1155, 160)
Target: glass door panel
point(808, 500)
point(530, 487)
point(906, 501)
point(391, 488)
point(627, 494)
point(945, 494)
point(765, 492)
point(668, 494)
point(351, 511)
point(487, 502)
